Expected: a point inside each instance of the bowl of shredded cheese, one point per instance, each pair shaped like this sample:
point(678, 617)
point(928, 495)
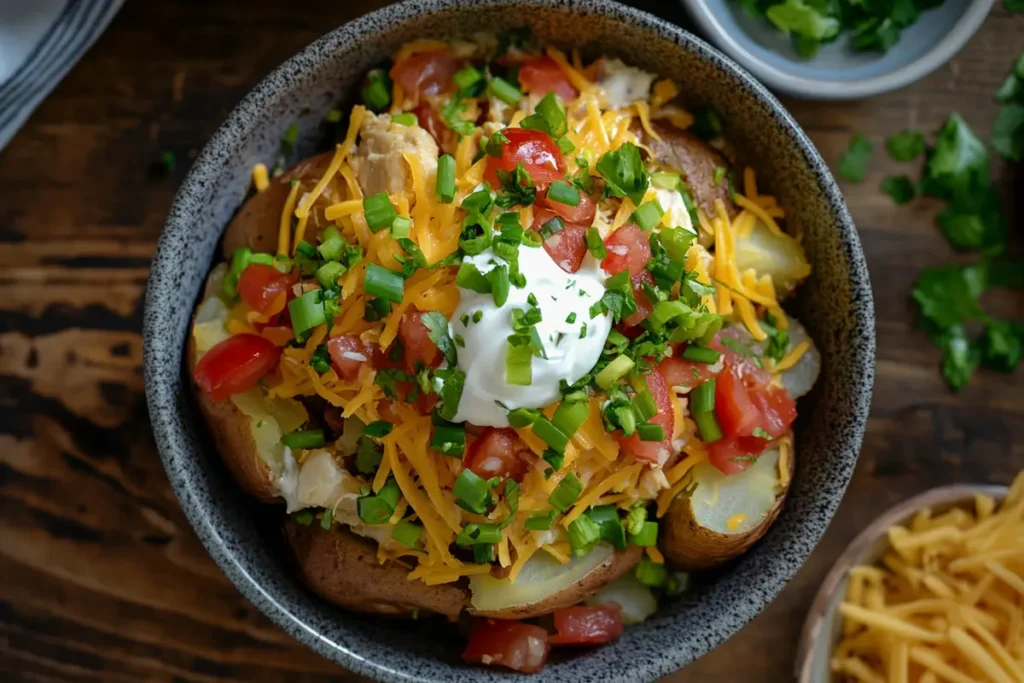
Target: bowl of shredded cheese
point(933, 590)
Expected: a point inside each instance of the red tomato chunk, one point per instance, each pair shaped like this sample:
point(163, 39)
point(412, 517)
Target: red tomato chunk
point(264, 288)
point(349, 353)
point(654, 451)
point(542, 75)
point(426, 73)
point(580, 625)
point(628, 249)
point(497, 453)
point(567, 247)
point(420, 351)
point(537, 152)
point(235, 365)
point(513, 644)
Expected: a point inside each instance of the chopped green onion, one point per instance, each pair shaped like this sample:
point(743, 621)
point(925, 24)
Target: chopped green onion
point(405, 119)
point(472, 492)
point(383, 282)
point(595, 244)
point(565, 144)
point(649, 432)
point(306, 312)
point(707, 425)
point(469, 277)
point(240, 260)
point(635, 520)
point(483, 554)
point(550, 434)
point(701, 354)
point(380, 212)
point(303, 517)
point(377, 93)
point(540, 521)
point(564, 193)
point(569, 417)
point(523, 417)
point(647, 537)
point(651, 574)
point(584, 533)
point(548, 116)
point(327, 274)
point(626, 418)
point(321, 359)
point(566, 493)
point(331, 246)
point(445, 189)
point(377, 509)
point(702, 400)
point(648, 215)
point(327, 520)
point(468, 77)
point(407, 533)
point(400, 226)
point(553, 458)
point(333, 116)
point(518, 365)
point(666, 181)
point(614, 371)
point(552, 227)
point(478, 534)
point(644, 403)
point(449, 439)
point(305, 438)
point(378, 429)
point(505, 91)
point(607, 519)
point(500, 284)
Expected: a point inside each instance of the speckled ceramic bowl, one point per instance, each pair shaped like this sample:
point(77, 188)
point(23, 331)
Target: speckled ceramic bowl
point(835, 305)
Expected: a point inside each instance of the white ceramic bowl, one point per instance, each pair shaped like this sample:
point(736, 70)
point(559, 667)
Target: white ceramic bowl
point(836, 72)
point(823, 626)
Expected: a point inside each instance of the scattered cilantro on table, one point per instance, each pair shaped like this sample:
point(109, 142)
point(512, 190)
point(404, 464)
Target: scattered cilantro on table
point(1013, 5)
point(1008, 129)
point(900, 188)
point(871, 25)
point(854, 162)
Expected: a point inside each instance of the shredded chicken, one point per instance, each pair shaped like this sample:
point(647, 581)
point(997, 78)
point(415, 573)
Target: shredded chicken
point(379, 160)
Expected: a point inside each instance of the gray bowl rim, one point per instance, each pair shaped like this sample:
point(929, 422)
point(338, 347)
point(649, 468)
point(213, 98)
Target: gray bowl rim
point(815, 89)
point(857, 552)
point(170, 435)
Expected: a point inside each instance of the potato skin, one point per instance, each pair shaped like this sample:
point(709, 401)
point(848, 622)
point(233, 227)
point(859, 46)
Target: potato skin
point(697, 160)
point(691, 547)
point(615, 566)
point(257, 222)
point(342, 568)
point(232, 436)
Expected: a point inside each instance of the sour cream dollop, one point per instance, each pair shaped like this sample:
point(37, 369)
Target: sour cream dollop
point(561, 296)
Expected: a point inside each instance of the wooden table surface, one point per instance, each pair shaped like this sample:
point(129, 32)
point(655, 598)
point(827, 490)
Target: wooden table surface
point(102, 578)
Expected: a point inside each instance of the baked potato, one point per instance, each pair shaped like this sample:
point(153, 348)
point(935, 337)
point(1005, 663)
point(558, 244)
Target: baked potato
point(721, 516)
point(343, 568)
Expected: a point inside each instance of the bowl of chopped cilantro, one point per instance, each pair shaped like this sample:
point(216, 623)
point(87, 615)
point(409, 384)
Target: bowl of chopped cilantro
point(839, 49)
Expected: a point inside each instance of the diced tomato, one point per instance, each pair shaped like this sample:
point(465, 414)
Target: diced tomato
point(542, 75)
point(497, 453)
point(420, 351)
point(513, 644)
point(643, 302)
point(349, 353)
point(628, 249)
point(654, 451)
point(426, 73)
point(264, 288)
point(536, 150)
point(583, 213)
point(430, 121)
point(566, 247)
point(580, 625)
point(235, 365)
point(732, 456)
point(679, 372)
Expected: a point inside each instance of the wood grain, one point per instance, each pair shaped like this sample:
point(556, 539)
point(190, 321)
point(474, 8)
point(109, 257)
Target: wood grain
point(102, 578)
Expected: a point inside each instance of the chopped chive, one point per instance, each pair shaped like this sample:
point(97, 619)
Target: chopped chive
point(378, 429)
point(650, 573)
point(407, 533)
point(483, 554)
point(405, 119)
point(635, 519)
point(522, 417)
point(614, 371)
point(644, 402)
point(648, 215)
point(505, 91)
point(472, 492)
point(500, 284)
point(702, 400)
point(649, 432)
point(384, 283)
point(550, 434)
point(445, 189)
point(566, 493)
point(327, 520)
point(400, 226)
point(701, 354)
point(563, 193)
point(307, 311)
point(595, 245)
point(377, 93)
point(449, 439)
point(327, 274)
point(647, 537)
point(540, 521)
point(666, 181)
point(584, 533)
point(569, 417)
point(478, 534)
point(467, 77)
point(707, 425)
point(380, 212)
point(304, 438)
point(518, 365)
point(607, 519)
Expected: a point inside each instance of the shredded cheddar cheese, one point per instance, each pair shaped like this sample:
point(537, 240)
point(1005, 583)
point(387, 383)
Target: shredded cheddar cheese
point(260, 179)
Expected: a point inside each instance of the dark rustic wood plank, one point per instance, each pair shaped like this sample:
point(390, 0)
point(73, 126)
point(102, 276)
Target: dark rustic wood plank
point(104, 579)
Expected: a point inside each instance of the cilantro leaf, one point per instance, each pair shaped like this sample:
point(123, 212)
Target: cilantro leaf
point(854, 162)
point(959, 163)
point(1002, 345)
point(1008, 131)
point(948, 295)
point(437, 330)
point(975, 221)
point(900, 188)
point(625, 172)
point(959, 357)
point(803, 18)
point(452, 117)
point(905, 146)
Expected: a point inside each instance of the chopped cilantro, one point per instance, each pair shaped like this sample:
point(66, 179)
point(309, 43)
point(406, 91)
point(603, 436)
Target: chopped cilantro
point(854, 162)
point(906, 145)
point(900, 188)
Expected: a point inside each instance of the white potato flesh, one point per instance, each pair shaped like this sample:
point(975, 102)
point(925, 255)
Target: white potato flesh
point(636, 600)
point(799, 379)
point(779, 256)
point(745, 498)
point(541, 577)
